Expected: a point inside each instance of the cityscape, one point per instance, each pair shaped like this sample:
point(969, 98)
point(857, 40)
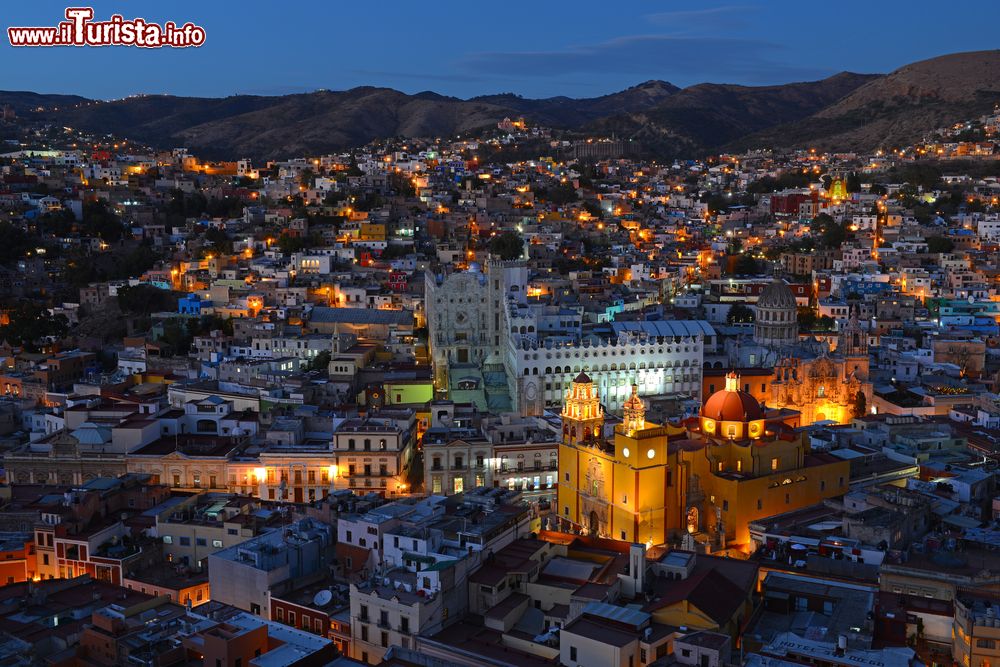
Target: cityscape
point(518, 382)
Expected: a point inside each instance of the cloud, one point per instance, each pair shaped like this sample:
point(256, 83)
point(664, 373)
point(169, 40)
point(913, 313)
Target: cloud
point(727, 16)
point(679, 59)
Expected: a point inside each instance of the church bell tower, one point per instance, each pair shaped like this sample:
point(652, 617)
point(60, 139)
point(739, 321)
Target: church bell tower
point(582, 414)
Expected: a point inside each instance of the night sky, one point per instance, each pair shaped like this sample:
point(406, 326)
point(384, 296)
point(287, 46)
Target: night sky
point(537, 49)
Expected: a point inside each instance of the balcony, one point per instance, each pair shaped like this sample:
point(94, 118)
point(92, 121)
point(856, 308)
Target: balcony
point(458, 466)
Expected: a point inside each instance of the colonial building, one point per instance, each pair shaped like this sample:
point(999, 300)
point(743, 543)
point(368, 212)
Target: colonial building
point(739, 461)
point(807, 377)
point(662, 358)
point(464, 313)
point(827, 386)
point(374, 454)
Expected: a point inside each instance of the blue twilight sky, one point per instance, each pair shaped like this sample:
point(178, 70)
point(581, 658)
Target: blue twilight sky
point(537, 49)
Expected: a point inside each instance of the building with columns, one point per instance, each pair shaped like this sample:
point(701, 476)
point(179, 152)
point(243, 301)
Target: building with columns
point(662, 358)
point(486, 335)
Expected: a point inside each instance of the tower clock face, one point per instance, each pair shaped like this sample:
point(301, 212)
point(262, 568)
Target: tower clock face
point(754, 429)
point(709, 426)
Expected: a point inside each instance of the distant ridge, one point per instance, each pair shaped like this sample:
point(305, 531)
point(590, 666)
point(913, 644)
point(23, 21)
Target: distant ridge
point(846, 110)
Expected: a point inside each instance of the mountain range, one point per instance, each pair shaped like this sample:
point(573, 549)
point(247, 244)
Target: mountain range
point(846, 111)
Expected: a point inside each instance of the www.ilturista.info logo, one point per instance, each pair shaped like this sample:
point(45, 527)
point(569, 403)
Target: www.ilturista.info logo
point(79, 29)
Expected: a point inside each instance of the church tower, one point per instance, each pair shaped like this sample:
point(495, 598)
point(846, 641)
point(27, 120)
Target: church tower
point(582, 414)
point(852, 346)
point(633, 413)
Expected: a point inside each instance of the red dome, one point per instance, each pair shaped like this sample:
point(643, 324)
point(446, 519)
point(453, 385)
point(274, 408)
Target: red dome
point(732, 406)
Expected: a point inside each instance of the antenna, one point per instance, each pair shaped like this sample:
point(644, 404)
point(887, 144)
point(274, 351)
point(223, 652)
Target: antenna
point(322, 598)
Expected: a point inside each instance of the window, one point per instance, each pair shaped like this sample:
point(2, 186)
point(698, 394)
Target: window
point(624, 537)
point(760, 504)
point(364, 633)
point(279, 614)
point(572, 653)
point(774, 463)
point(725, 505)
point(291, 618)
point(185, 541)
point(232, 531)
point(167, 539)
point(404, 624)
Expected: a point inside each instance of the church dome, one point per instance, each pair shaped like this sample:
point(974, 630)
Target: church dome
point(777, 295)
point(776, 317)
point(731, 404)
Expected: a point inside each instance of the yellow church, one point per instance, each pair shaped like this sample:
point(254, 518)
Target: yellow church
point(739, 461)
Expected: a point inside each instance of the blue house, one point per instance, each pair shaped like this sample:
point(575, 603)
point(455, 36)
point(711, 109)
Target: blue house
point(189, 305)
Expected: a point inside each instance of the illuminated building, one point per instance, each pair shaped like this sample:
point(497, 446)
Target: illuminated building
point(807, 377)
point(738, 462)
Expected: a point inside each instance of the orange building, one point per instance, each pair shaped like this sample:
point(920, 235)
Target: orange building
point(17, 560)
point(653, 483)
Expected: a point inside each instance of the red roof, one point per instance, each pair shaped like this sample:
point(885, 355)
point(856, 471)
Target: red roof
point(734, 406)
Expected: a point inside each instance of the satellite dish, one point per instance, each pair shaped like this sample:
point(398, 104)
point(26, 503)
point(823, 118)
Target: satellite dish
point(322, 598)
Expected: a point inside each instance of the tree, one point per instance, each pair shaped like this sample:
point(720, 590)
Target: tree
point(220, 240)
point(938, 244)
point(320, 362)
point(29, 323)
point(852, 183)
point(101, 221)
point(739, 314)
point(807, 318)
point(15, 243)
point(831, 232)
point(561, 194)
point(507, 245)
point(177, 336)
point(745, 265)
point(145, 299)
point(307, 178)
point(860, 407)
